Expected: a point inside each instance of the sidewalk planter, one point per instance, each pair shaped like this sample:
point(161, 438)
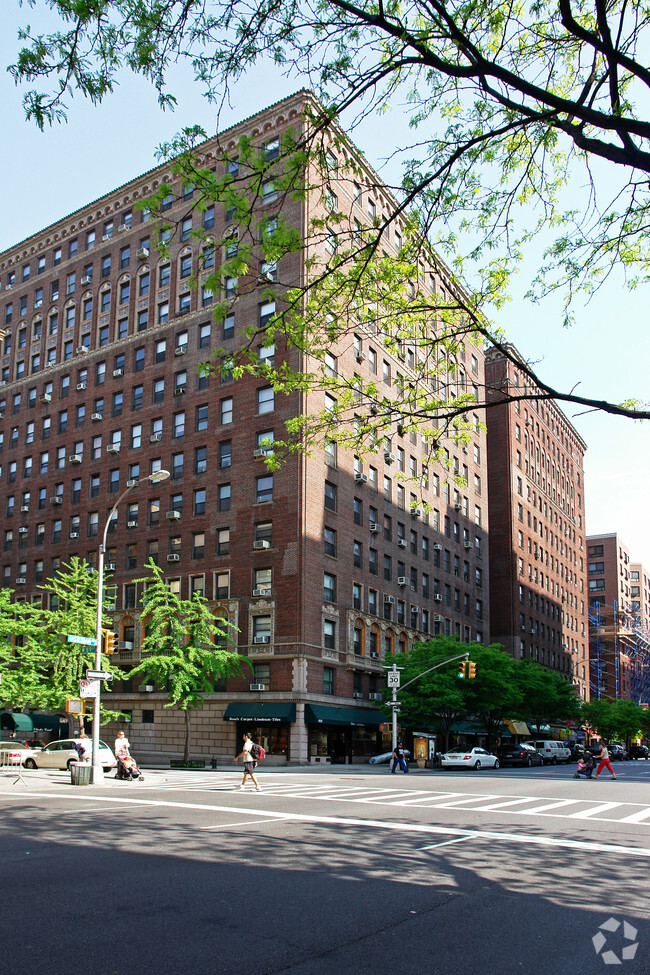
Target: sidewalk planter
point(80, 773)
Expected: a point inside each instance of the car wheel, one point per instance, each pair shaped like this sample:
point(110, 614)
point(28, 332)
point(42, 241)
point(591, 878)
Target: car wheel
point(30, 763)
point(477, 765)
point(554, 761)
point(529, 762)
point(70, 763)
point(496, 764)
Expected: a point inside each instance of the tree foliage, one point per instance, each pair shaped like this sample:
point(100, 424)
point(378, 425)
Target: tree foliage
point(184, 650)
point(527, 123)
point(616, 720)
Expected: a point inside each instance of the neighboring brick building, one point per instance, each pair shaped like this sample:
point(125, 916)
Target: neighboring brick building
point(619, 622)
point(537, 532)
point(321, 565)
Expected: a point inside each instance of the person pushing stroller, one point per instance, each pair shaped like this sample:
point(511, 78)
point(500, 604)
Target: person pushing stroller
point(126, 764)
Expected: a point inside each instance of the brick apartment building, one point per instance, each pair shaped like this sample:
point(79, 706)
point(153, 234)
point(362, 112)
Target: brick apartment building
point(619, 624)
point(321, 565)
point(538, 607)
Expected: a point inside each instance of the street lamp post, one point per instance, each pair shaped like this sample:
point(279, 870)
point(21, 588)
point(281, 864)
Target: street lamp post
point(97, 771)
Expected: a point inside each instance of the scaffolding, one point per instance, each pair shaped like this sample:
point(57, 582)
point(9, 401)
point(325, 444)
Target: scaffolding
point(619, 654)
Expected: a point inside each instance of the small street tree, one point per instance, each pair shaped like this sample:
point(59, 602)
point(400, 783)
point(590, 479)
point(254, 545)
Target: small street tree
point(494, 695)
point(184, 650)
point(545, 695)
point(19, 682)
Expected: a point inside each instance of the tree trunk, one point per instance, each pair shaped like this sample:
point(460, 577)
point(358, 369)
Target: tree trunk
point(188, 736)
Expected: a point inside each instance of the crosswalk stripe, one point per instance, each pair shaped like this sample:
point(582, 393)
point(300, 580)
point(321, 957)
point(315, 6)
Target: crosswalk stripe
point(594, 811)
point(550, 805)
point(636, 817)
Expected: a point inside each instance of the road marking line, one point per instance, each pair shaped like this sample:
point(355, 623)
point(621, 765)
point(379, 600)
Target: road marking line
point(392, 826)
point(436, 846)
point(586, 813)
point(461, 802)
point(550, 805)
point(636, 817)
point(429, 797)
point(508, 802)
point(251, 822)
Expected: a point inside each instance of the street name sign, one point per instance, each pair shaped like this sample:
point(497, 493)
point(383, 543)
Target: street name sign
point(85, 641)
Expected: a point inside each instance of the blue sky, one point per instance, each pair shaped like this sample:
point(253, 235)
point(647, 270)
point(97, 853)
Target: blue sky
point(606, 354)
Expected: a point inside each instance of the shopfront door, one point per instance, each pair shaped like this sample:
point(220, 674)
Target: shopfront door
point(338, 745)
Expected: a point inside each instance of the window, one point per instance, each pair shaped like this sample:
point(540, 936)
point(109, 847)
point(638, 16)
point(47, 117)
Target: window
point(263, 488)
point(138, 396)
point(225, 453)
point(330, 496)
point(204, 336)
point(226, 410)
point(328, 680)
point(138, 359)
point(158, 390)
point(179, 424)
point(223, 541)
point(329, 541)
point(329, 587)
point(223, 497)
point(200, 460)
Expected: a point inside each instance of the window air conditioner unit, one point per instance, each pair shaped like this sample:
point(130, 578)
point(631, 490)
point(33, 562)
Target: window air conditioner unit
point(106, 237)
point(389, 599)
point(467, 544)
point(74, 535)
point(46, 398)
point(173, 515)
point(415, 609)
point(180, 350)
point(402, 581)
point(56, 500)
point(361, 478)
point(374, 527)
point(465, 450)
point(110, 566)
point(23, 530)
point(374, 654)
point(258, 687)
point(401, 542)
point(155, 438)
point(81, 349)
point(437, 618)
point(131, 524)
point(262, 452)
point(360, 356)
point(125, 645)
point(357, 694)
point(123, 226)
point(374, 408)
point(458, 507)
point(96, 417)
point(75, 458)
point(20, 580)
point(9, 287)
point(262, 639)
point(437, 598)
point(437, 547)
point(416, 513)
point(142, 253)
point(261, 592)
point(25, 509)
point(388, 457)
point(113, 448)
point(118, 372)
point(179, 391)
point(376, 696)
point(132, 482)
point(85, 280)
point(80, 386)
point(173, 558)
point(260, 544)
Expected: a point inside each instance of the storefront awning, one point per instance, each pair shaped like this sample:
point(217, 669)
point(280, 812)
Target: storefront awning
point(517, 727)
point(18, 721)
point(263, 712)
point(323, 714)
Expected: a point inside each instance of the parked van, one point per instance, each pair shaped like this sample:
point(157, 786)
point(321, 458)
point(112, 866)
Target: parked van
point(552, 752)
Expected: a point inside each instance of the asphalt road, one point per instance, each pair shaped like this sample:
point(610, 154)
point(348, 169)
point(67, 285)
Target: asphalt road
point(343, 872)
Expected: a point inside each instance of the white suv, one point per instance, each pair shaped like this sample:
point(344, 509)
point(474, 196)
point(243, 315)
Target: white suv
point(59, 754)
point(552, 752)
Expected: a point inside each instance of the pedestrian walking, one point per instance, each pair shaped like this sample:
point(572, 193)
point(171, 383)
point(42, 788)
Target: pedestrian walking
point(249, 762)
point(604, 761)
point(399, 758)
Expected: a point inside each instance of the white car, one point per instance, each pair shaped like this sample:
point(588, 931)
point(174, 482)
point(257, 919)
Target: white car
point(475, 758)
point(12, 752)
point(59, 754)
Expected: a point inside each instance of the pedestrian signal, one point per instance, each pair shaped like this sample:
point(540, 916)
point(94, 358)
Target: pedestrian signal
point(461, 668)
point(472, 669)
point(109, 642)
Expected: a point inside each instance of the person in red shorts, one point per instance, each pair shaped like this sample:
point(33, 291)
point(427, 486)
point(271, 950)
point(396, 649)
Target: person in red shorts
point(604, 761)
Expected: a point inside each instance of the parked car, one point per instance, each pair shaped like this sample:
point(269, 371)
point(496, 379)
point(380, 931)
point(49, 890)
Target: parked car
point(617, 751)
point(16, 750)
point(475, 758)
point(577, 749)
point(638, 751)
point(386, 757)
point(59, 754)
point(522, 754)
point(552, 751)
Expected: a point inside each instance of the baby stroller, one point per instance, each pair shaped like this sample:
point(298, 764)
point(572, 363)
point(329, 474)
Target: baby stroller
point(585, 767)
point(127, 769)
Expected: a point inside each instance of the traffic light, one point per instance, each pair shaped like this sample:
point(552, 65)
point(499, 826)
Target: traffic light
point(461, 668)
point(472, 669)
point(109, 642)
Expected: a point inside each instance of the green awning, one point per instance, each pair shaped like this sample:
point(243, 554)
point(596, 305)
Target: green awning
point(468, 728)
point(323, 714)
point(18, 721)
point(263, 712)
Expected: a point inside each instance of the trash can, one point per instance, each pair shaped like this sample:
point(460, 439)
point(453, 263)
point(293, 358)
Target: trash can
point(80, 773)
